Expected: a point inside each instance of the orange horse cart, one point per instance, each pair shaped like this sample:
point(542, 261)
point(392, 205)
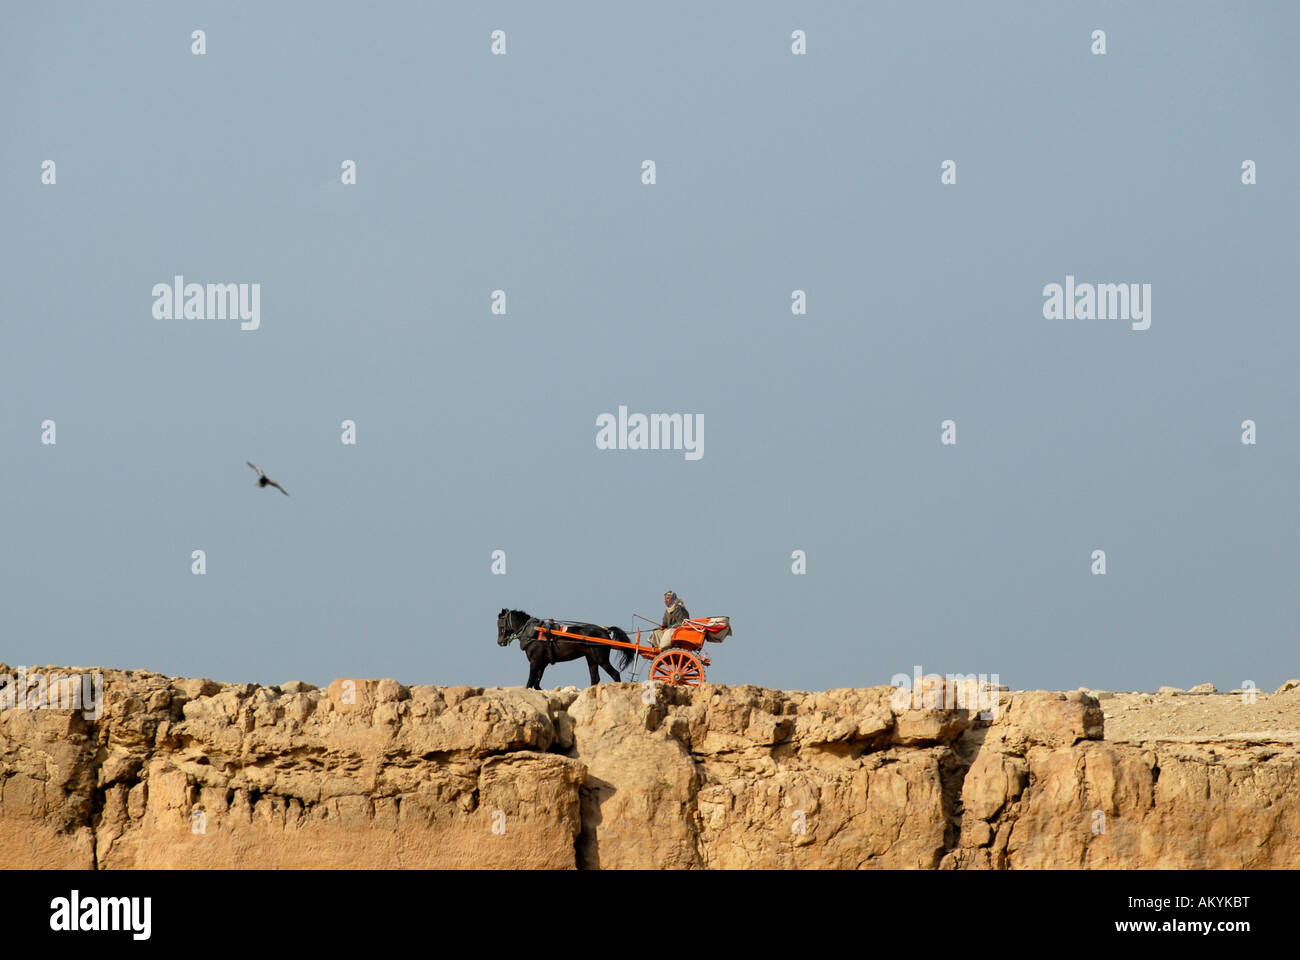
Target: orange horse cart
point(681, 664)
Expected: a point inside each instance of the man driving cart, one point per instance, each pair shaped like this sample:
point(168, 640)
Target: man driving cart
point(675, 613)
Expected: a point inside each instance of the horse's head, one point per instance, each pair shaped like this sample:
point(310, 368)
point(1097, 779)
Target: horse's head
point(506, 626)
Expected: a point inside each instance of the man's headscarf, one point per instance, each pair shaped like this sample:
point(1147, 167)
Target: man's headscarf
point(671, 599)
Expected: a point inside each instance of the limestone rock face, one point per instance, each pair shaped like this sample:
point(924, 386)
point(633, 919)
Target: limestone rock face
point(178, 772)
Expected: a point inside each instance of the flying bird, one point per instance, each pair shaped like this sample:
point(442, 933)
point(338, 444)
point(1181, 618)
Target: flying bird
point(263, 480)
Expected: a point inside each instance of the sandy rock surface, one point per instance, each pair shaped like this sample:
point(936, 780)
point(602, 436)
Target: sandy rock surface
point(186, 772)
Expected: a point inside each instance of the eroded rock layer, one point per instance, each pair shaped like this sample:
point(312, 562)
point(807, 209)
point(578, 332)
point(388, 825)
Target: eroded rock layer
point(373, 774)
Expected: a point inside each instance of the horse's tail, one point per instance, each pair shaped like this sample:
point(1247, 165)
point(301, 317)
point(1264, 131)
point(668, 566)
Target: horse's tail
point(622, 655)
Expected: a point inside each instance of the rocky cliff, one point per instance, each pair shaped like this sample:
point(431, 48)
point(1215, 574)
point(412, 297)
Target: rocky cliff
point(373, 774)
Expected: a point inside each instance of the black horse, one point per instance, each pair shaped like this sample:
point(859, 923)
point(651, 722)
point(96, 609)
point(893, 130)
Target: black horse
point(517, 625)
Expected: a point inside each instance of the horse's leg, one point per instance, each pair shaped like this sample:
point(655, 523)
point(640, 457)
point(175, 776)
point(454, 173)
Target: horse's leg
point(609, 667)
point(592, 659)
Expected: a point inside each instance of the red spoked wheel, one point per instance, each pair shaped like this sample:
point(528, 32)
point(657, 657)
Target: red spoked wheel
point(680, 668)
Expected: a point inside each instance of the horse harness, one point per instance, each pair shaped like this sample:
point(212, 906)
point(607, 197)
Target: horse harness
point(538, 625)
point(535, 624)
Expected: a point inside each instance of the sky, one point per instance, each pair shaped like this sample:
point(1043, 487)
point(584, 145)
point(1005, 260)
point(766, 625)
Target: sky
point(476, 431)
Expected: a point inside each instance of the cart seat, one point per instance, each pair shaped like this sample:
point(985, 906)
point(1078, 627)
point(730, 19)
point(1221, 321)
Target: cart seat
point(692, 633)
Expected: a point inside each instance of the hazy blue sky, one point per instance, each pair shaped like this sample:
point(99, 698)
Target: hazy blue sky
point(477, 432)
